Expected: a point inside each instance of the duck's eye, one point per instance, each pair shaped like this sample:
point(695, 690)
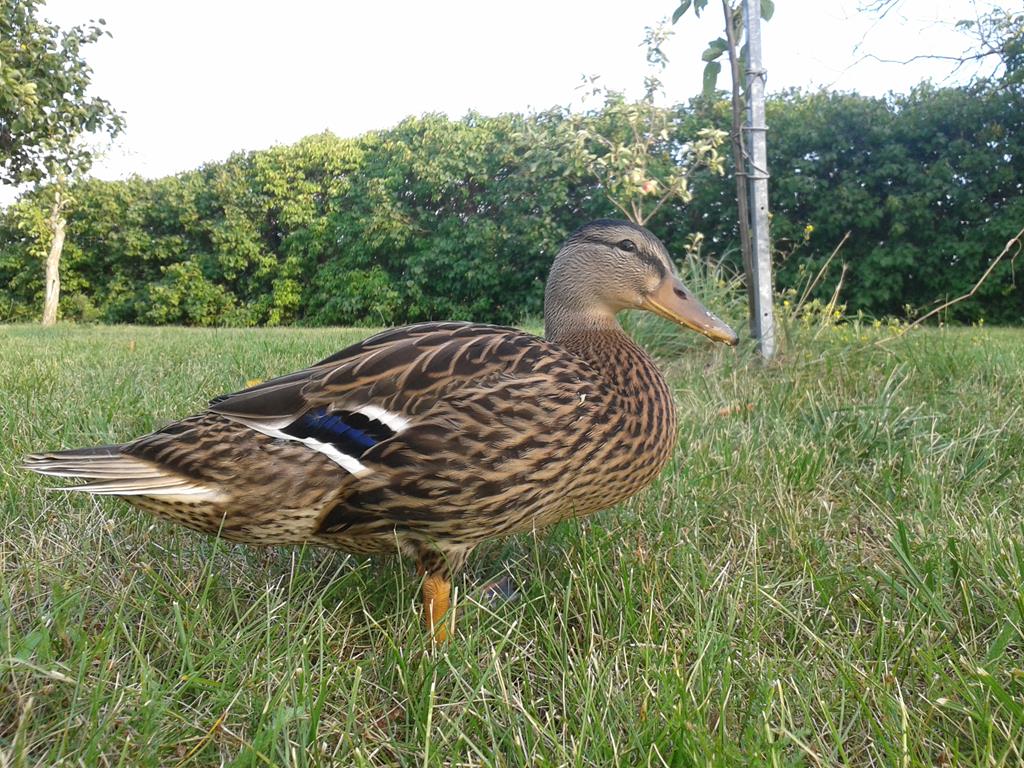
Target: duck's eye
point(627, 245)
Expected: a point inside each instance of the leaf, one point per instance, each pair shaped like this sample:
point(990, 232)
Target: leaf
point(711, 77)
point(767, 9)
point(699, 6)
point(715, 49)
point(683, 8)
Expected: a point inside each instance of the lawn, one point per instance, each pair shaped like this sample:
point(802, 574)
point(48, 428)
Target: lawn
point(830, 572)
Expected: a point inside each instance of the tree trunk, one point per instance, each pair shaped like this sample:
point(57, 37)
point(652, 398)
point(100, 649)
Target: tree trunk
point(739, 156)
point(52, 295)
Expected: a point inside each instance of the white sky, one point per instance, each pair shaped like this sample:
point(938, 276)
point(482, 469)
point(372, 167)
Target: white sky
point(200, 79)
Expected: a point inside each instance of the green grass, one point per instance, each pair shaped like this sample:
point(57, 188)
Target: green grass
point(833, 575)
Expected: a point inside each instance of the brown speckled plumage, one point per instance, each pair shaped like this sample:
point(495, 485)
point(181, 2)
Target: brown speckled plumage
point(479, 430)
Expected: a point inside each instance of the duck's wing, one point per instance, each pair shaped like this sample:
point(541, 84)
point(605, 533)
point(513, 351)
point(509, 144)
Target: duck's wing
point(378, 389)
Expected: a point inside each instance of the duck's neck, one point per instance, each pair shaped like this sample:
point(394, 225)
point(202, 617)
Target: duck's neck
point(624, 366)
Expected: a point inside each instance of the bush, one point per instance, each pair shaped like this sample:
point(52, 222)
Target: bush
point(186, 296)
point(438, 219)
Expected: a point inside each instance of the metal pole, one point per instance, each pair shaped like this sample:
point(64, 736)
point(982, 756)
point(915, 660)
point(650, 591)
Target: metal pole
point(757, 171)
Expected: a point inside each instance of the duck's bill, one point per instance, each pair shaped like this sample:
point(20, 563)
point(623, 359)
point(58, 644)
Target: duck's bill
point(673, 301)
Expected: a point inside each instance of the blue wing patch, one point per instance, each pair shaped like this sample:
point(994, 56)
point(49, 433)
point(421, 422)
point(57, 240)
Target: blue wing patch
point(351, 433)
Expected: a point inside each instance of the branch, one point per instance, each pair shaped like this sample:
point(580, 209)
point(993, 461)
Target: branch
point(616, 203)
point(1010, 244)
point(661, 202)
point(881, 7)
point(638, 212)
point(957, 62)
point(961, 60)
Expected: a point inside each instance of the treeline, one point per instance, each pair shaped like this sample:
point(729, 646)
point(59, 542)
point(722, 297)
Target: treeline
point(460, 219)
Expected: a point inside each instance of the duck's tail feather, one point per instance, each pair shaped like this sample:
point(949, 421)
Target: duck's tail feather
point(114, 473)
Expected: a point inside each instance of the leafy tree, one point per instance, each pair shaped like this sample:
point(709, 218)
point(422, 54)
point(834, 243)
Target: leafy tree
point(439, 218)
point(451, 213)
point(928, 183)
point(45, 113)
point(632, 149)
point(999, 35)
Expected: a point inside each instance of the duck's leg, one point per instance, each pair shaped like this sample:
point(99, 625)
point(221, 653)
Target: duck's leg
point(436, 602)
point(437, 568)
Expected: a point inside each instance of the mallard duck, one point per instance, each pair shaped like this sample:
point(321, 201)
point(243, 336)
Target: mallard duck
point(432, 437)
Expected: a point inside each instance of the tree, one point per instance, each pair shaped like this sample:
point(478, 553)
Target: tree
point(632, 149)
point(46, 113)
point(753, 239)
point(436, 218)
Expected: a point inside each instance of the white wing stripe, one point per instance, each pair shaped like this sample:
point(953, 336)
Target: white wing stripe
point(395, 422)
point(343, 460)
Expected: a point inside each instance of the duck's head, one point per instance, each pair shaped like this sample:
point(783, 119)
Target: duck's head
point(608, 266)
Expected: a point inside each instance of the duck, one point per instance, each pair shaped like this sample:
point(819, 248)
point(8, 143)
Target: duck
point(434, 437)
